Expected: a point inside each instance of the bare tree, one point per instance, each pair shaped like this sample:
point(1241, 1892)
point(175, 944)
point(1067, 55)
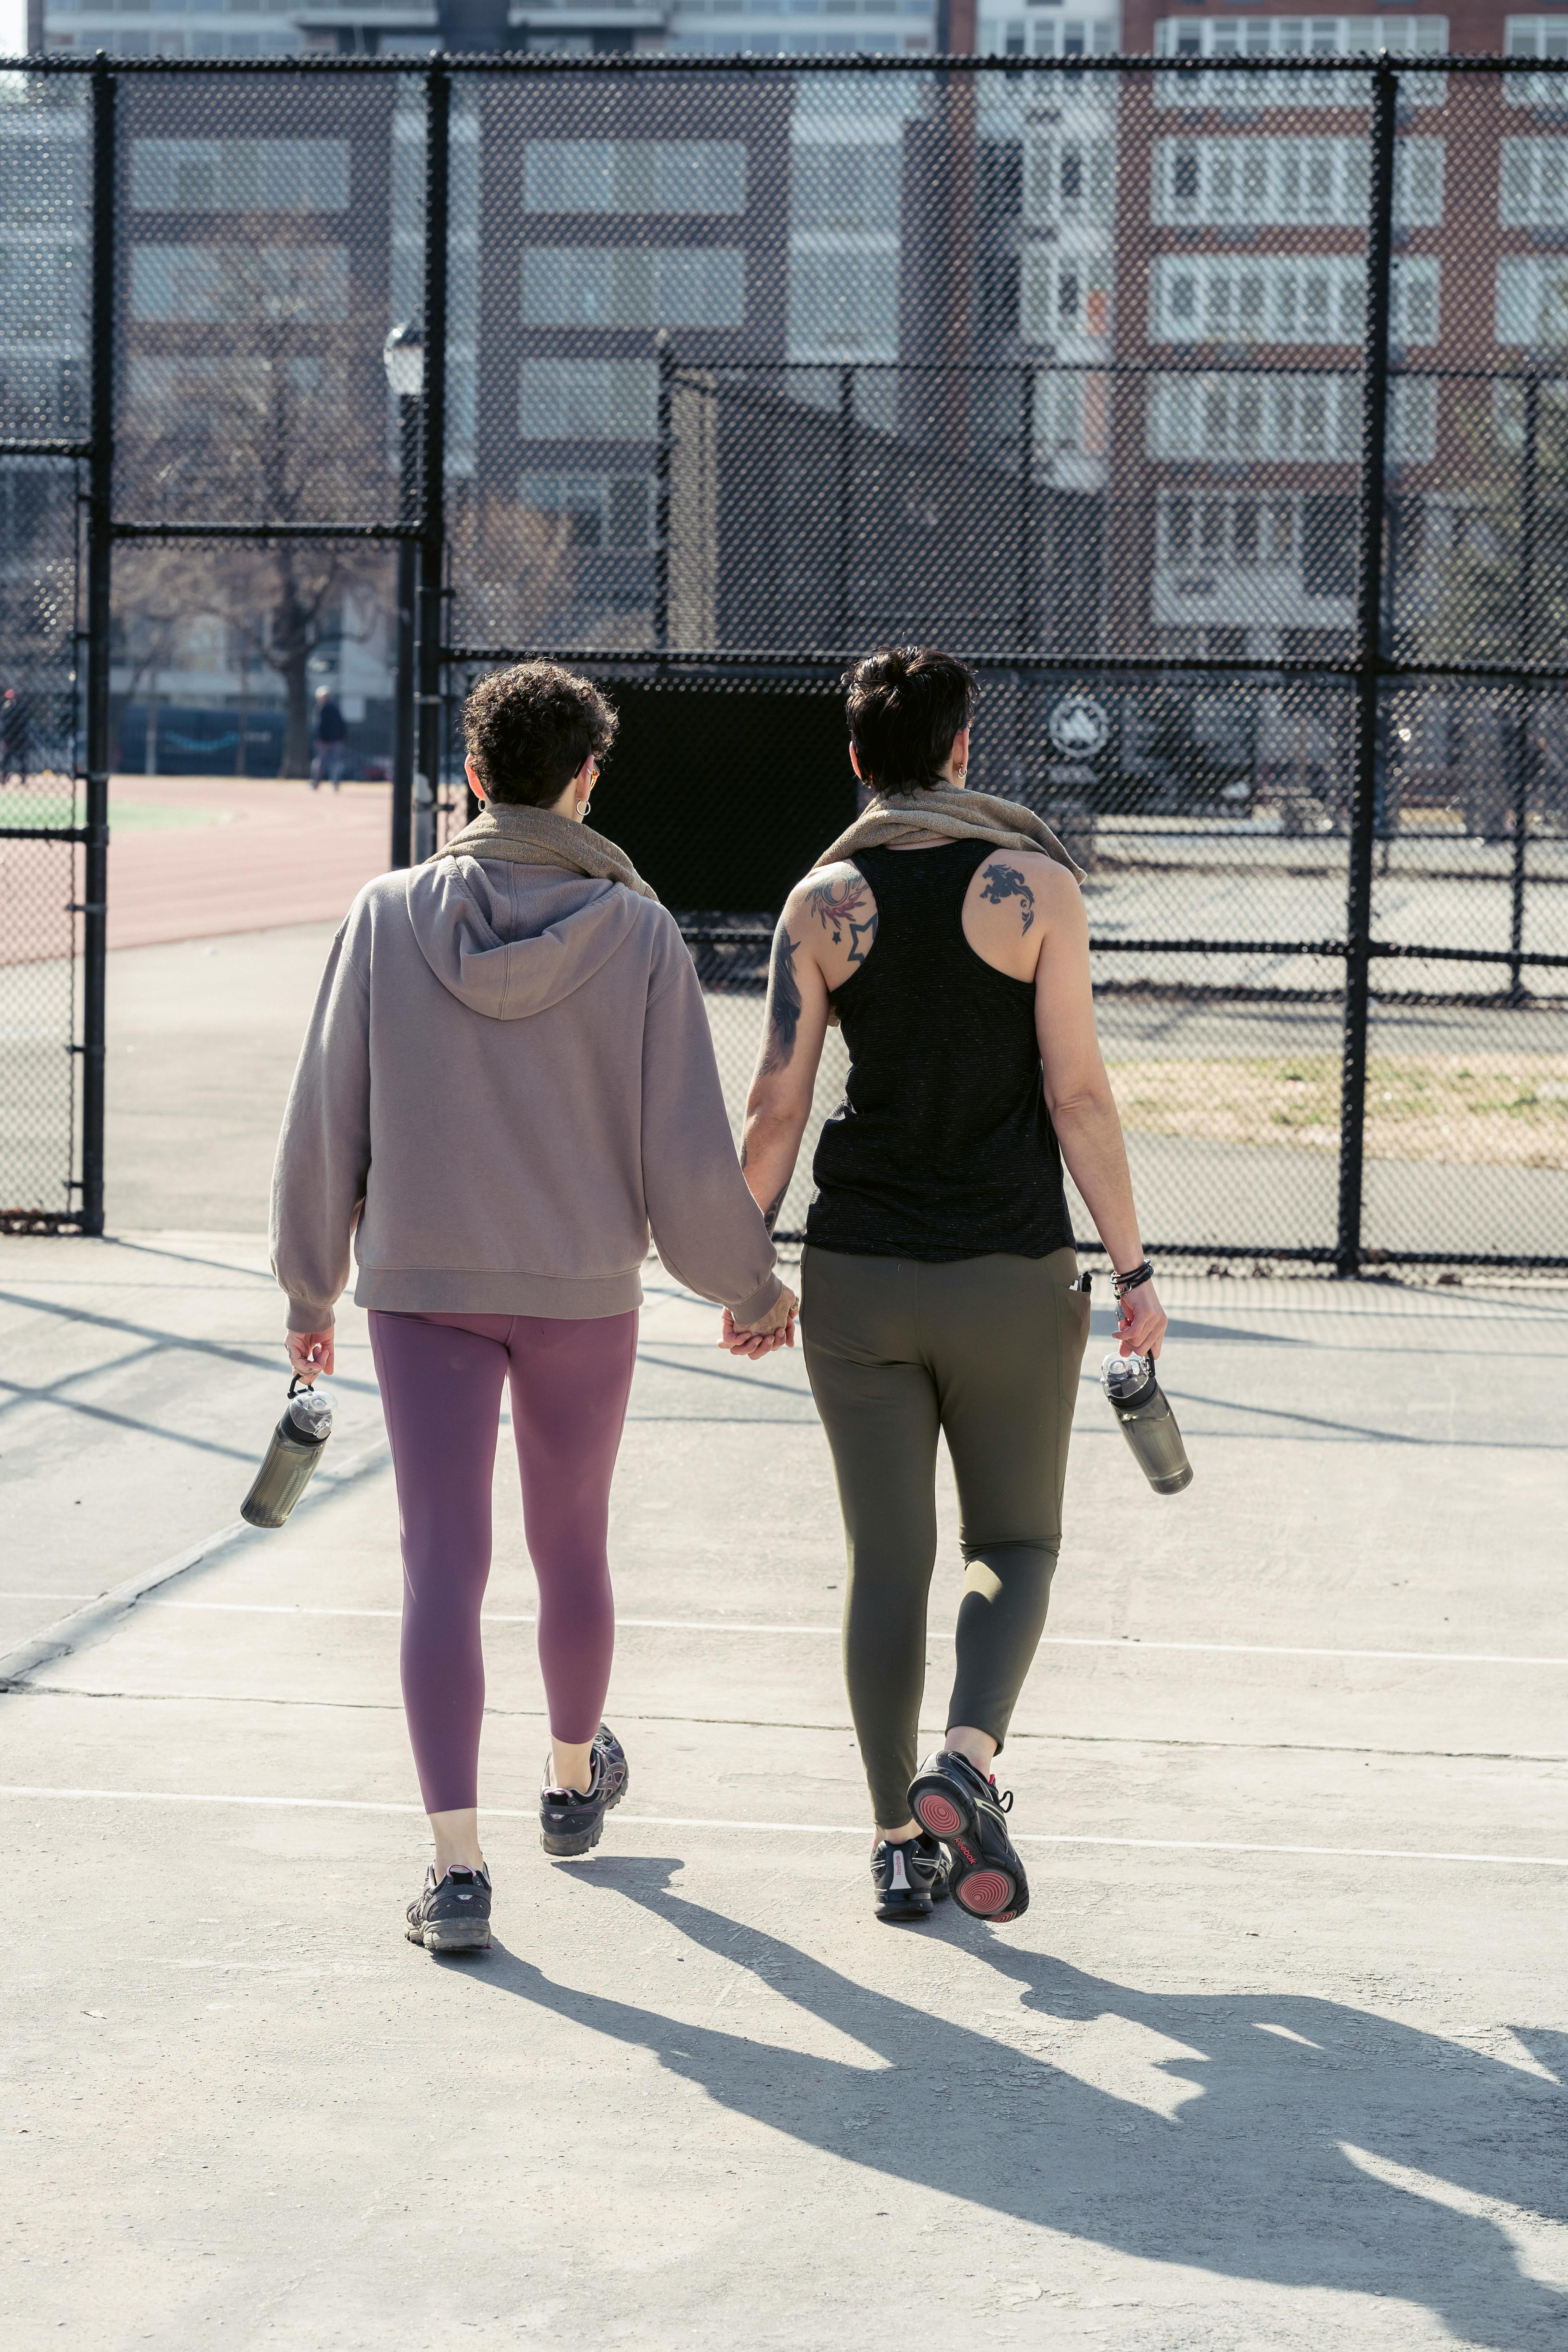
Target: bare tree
point(263, 416)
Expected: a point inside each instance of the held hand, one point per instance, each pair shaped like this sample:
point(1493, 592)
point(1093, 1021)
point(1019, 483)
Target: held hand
point(1142, 1328)
point(775, 1329)
point(311, 1353)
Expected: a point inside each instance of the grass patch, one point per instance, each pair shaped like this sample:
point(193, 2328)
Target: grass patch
point(1476, 1111)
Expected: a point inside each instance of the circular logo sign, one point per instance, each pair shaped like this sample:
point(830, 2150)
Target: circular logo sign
point(1080, 726)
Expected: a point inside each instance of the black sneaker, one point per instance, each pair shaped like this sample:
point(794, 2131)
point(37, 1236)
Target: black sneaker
point(908, 1877)
point(569, 1823)
point(453, 1914)
point(953, 1801)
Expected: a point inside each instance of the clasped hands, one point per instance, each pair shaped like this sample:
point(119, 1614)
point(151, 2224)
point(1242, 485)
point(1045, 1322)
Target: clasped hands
point(773, 1329)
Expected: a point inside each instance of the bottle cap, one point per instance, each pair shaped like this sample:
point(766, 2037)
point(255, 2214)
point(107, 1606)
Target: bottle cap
point(1125, 1378)
point(311, 1414)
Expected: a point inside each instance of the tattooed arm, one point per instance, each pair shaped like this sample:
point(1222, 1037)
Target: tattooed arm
point(795, 1025)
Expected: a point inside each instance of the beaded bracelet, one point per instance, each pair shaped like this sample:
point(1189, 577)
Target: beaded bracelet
point(1142, 1272)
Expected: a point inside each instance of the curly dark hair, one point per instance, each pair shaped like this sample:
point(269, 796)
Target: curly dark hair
point(528, 730)
point(905, 705)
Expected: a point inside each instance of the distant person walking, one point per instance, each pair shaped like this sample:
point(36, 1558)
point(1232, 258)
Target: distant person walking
point(329, 737)
point(16, 736)
point(508, 1077)
point(939, 1288)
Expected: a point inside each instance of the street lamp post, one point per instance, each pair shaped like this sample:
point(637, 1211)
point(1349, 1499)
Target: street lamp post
point(403, 355)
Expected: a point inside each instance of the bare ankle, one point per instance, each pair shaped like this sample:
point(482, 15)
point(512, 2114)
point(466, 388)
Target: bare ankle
point(976, 1747)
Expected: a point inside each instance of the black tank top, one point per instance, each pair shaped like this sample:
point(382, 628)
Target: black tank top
point(942, 1147)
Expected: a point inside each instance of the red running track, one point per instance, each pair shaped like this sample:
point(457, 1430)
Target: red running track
point(192, 857)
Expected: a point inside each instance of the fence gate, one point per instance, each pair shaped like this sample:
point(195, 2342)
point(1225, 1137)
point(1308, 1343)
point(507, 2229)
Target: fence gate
point(50, 879)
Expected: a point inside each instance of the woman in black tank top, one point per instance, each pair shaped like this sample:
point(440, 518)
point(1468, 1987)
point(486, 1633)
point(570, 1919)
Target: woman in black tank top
point(939, 1292)
point(942, 1148)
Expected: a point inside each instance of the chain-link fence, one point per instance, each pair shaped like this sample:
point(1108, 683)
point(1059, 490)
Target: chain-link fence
point(45, 210)
point(1214, 406)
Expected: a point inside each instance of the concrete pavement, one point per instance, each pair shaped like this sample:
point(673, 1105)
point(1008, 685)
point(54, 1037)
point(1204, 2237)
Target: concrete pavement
point(695, 2096)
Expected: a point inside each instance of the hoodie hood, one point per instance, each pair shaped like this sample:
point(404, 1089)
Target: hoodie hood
point(508, 940)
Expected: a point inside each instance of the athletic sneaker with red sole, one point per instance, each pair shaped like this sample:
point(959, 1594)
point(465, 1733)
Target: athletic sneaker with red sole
point(959, 1807)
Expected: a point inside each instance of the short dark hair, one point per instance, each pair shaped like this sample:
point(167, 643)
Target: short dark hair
point(905, 705)
point(528, 730)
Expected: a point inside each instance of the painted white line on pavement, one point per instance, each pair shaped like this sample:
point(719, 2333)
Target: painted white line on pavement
point(96, 1616)
point(1047, 1640)
point(787, 1829)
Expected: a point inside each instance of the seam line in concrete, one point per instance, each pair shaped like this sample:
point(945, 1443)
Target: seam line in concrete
point(1047, 1640)
point(96, 1616)
point(776, 1829)
point(31, 1689)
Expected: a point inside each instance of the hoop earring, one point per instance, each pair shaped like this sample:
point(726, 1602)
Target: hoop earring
point(584, 807)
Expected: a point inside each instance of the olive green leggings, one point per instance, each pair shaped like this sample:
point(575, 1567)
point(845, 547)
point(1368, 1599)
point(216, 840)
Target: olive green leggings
point(988, 1352)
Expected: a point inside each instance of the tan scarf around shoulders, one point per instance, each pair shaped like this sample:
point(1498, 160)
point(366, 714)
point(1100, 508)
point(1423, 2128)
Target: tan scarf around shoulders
point(537, 836)
point(956, 814)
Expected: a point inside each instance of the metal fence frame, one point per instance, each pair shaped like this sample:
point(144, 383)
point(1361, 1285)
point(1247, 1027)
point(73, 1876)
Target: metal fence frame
point(427, 694)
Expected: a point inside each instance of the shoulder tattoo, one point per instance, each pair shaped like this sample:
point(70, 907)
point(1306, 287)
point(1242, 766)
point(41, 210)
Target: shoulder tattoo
point(846, 905)
point(1002, 882)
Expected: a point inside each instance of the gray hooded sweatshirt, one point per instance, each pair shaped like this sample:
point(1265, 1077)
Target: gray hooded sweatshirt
point(508, 1077)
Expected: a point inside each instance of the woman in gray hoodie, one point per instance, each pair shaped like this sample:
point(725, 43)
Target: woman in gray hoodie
point(519, 1017)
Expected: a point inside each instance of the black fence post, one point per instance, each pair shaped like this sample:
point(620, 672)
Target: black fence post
point(433, 469)
point(1369, 659)
point(99, 567)
point(1522, 733)
point(846, 507)
point(1027, 396)
point(664, 426)
point(404, 727)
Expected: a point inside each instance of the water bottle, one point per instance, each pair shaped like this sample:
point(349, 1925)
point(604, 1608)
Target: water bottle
point(295, 1450)
point(1149, 1425)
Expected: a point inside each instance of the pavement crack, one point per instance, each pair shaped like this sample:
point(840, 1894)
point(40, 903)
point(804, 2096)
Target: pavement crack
point(790, 1723)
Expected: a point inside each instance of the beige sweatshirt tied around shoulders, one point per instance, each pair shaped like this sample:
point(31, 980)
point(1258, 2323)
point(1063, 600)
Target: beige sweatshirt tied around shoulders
point(508, 1078)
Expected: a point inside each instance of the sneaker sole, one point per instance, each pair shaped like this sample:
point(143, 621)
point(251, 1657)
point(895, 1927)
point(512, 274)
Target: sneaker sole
point(570, 1846)
point(987, 1890)
point(904, 1910)
point(452, 1936)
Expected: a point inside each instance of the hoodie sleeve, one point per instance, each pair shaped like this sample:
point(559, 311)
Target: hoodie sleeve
point(707, 1229)
point(323, 1152)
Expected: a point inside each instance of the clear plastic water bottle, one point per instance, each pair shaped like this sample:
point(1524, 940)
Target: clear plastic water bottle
point(1149, 1425)
point(296, 1448)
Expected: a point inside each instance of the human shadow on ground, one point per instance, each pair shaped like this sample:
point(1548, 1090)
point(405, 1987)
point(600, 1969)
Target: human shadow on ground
point(1245, 2174)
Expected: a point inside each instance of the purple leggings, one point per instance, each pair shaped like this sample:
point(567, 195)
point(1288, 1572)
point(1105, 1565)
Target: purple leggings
point(441, 1380)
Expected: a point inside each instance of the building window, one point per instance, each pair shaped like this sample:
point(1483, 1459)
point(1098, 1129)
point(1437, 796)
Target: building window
point(1532, 299)
point(837, 186)
point(632, 286)
point(1290, 182)
point(1284, 298)
point(1063, 296)
point(1240, 37)
point(1068, 36)
point(614, 510)
point(1068, 177)
point(1305, 36)
point(588, 400)
point(43, 288)
point(1532, 187)
point(1246, 532)
point(1071, 412)
point(1536, 36)
point(1288, 419)
point(236, 175)
point(843, 302)
point(635, 175)
point(204, 285)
